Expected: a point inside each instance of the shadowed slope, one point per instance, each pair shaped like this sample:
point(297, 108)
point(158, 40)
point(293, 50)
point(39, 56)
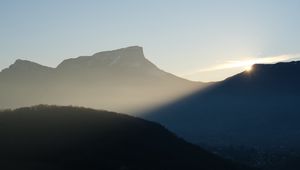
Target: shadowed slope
point(259, 108)
point(49, 137)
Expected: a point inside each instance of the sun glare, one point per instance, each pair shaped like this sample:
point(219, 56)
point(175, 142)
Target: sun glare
point(248, 68)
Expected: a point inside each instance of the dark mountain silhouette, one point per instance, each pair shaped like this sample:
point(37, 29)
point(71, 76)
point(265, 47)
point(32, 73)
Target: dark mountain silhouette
point(258, 108)
point(52, 137)
point(119, 80)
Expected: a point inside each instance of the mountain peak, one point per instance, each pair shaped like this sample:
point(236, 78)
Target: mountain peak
point(24, 66)
point(137, 49)
point(21, 61)
point(127, 52)
point(129, 57)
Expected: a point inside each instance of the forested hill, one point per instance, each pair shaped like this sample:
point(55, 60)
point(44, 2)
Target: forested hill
point(52, 137)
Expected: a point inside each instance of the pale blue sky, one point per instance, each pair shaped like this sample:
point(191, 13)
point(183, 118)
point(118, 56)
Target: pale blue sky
point(182, 37)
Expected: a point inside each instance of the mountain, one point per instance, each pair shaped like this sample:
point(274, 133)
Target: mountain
point(257, 109)
point(120, 80)
point(52, 137)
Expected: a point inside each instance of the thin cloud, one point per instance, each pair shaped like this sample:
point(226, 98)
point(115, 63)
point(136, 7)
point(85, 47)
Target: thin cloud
point(246, 63)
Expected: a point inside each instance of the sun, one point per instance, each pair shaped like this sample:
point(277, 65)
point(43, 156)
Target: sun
point(248, 68)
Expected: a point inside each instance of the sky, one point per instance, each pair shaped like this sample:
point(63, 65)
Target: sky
point(202, 40)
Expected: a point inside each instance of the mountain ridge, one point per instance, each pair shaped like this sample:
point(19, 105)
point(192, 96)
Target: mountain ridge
point(25, 65)
point(96, 60)
point(230, 112)
point(120, 80)
point(137, 49)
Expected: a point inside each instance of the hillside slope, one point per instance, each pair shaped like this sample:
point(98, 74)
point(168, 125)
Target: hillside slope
point(257, 108)
point(51, 137)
